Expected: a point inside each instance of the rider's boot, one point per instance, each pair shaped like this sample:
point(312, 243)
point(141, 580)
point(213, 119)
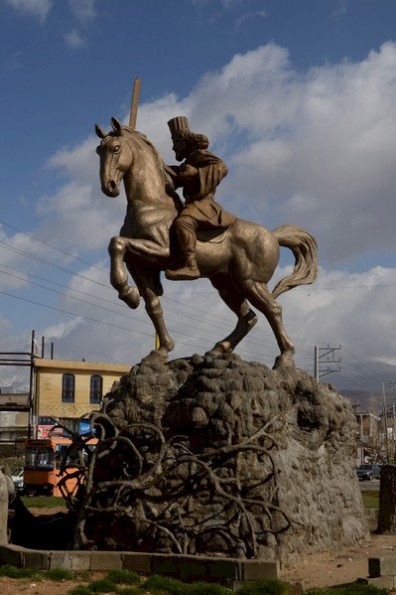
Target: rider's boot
point(187, 272)
point(185, 227)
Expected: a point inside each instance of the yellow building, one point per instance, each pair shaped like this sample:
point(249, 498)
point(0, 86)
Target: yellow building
point(69, 390)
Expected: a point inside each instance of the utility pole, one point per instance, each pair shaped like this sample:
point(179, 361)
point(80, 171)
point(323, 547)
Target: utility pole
point(385, 423)
point(389, 413)
point(325, 356)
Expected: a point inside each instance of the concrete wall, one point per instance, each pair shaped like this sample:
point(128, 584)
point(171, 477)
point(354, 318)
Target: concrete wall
point(48, 376)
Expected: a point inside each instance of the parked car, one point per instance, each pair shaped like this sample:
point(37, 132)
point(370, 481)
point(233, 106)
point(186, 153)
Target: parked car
point(18, 481)
point(368, 472)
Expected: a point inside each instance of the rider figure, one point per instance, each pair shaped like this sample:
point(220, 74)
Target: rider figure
point(199, 175)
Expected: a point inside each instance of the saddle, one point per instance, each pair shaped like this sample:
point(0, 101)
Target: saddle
point(215, 235)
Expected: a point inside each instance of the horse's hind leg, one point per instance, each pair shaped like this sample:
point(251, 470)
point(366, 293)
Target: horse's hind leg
point(259, 296)
point(237, 303)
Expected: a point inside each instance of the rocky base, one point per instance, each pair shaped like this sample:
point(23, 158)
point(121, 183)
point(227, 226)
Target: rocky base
point(221, 457)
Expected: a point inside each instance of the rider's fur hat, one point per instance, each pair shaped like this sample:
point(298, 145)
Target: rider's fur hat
point(178, 126)
point(180, 129)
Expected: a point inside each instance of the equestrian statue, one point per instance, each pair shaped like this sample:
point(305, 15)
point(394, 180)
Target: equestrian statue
point(194, 238)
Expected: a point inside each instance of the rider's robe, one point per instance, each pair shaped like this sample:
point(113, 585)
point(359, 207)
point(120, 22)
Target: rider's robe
point(199, 190)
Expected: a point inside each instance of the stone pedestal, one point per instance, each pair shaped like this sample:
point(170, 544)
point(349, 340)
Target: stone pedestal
point(221, 457)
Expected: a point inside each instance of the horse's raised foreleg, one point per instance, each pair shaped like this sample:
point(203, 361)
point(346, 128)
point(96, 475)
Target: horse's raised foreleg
point(236, 302)
point(146, 287)
point(118, 273)
point(258, 295)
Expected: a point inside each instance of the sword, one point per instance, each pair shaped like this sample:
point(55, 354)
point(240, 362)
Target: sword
point(134, 103)
point(132, 124)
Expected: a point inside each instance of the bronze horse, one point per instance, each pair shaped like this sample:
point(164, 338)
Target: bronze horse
point(238, 262)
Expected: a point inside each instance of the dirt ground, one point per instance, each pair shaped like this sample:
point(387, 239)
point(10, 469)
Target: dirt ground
point(324, 570)
point(319, 570)
point(10, 586)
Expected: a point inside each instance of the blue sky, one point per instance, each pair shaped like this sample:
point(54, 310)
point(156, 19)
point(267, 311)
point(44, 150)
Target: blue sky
point(298, 97)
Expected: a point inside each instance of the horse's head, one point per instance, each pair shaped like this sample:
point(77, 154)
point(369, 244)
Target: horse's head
point(115, 157)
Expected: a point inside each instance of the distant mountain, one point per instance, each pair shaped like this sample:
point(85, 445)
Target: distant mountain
point(364, 400)
point(363, 385)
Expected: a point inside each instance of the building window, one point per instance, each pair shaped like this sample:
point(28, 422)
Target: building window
point(95, 393)
point(68, 388)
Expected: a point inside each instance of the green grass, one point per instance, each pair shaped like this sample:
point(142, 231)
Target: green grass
point(266, 587)
point(80, 590)
point(352, 589)
point(125, 582)
point(55, 574)
point(59, 574)
point(209, 589)
point(129, 591)
point(124, 577)
point(370, 499)
point(43, 501)
point(14, 572)
point(164, 585)
point(103, 585)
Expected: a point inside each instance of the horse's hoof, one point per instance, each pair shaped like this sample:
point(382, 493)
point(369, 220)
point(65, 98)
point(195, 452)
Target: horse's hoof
point(213, 353)
point(284, 361)
point(158, 355)
point(219, 349)
point(131, 297)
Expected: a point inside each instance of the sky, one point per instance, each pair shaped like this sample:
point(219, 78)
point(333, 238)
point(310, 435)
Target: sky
point(298, 98)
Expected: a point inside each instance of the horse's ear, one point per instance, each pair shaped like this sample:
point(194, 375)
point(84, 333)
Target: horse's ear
point(116, 126)
point(99, 131)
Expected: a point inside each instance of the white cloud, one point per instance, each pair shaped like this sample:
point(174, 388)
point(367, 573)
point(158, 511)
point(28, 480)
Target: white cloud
point(34, 8)
point(353, 310)
point(79, 162)
point(61, 330)
point(248, 16)
point(79, 216)
point(312, 149)
point(79, 219)
point(341, 9)
point(74, 40)
point(326, 135)
point(83, 10)
point(14, 252)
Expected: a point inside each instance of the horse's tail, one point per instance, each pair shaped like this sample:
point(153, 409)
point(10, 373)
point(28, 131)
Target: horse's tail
point(305, 250)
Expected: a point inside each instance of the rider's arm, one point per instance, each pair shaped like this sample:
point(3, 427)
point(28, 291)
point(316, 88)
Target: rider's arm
point(187, 171)
point(174, 172)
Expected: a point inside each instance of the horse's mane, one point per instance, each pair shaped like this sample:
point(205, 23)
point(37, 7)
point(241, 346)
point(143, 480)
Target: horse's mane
point(169, 183)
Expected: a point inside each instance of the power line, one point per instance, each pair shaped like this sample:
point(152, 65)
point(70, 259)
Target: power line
point(32, 237)
point(217, 320)
point(68, 296)
point(49, 263)
point(189, 316)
